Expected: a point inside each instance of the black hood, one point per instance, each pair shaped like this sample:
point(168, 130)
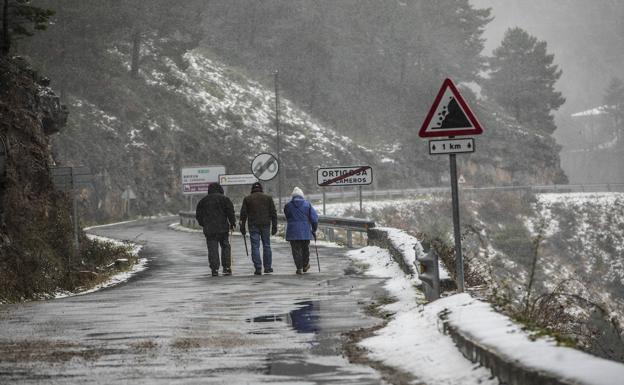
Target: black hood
point(215, 188)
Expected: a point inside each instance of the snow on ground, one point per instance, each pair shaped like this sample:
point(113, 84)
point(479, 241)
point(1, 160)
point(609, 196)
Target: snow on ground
point(495, 331)
point(409, 248)
point(412, 340)
point(594, 241)
point(116, 279)
point(178, 227)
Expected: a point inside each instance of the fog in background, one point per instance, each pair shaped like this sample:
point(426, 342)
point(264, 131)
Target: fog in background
point(587, 39)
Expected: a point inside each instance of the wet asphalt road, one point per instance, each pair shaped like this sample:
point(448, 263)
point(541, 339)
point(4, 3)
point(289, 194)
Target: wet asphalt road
point(175, 324)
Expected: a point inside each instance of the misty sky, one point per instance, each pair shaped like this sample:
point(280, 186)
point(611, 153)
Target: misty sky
point(584, 35)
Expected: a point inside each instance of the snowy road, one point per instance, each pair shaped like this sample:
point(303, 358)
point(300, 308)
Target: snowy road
point(173, 323)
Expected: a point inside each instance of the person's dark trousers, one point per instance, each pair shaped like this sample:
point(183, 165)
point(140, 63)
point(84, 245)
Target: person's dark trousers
point(213, 241)
point(301, 253)
point(257, 234)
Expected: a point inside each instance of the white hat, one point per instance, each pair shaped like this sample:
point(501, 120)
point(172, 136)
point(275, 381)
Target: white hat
point(297, 192)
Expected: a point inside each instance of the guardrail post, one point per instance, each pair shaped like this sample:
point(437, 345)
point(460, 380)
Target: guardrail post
point(349, 238)
point(429, 274)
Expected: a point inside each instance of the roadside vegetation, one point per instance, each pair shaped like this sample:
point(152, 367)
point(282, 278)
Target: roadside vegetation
point(552, 264)
point(42, 271)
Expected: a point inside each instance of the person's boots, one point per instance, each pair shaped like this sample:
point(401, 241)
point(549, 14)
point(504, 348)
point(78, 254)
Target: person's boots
point(227, 271)
point(306, 268)
point(258, 272)
point(215, 273)
point(268, 270)
point(299, 272)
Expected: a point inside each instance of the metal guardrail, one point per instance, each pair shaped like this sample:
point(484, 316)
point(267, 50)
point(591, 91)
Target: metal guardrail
point(327, 225)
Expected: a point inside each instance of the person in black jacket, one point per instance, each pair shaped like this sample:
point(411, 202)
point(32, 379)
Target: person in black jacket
point(215, 213)
point(259, 210)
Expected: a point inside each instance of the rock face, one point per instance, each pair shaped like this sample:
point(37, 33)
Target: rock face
point(35, 225)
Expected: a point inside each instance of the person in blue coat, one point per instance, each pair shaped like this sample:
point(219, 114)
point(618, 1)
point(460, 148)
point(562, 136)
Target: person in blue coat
point(301, 225)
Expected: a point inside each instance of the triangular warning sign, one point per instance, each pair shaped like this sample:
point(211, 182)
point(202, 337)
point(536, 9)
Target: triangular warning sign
point(449, 115)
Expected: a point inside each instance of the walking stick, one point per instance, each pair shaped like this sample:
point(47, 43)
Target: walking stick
point(231, 257)
point(245, 240)
point(318, 262)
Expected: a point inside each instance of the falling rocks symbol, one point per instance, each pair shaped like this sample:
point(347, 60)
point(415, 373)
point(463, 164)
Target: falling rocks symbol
point(452, 116)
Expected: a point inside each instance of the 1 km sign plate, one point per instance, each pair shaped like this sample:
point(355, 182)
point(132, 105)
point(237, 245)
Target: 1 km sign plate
point(344, 176)
point(451, 146)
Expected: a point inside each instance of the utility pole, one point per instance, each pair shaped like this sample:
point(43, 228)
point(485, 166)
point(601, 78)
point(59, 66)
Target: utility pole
point(279, 158)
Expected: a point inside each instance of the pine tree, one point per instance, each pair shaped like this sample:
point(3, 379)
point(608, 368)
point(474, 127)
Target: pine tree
point(19, 18)
point(522, 80)
point(614, 101)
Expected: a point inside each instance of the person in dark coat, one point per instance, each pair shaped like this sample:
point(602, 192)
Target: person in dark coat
point(258, 210)
point(215, 213)
point(301, 225)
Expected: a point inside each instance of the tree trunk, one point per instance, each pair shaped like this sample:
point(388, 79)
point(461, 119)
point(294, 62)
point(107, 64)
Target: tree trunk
point(136, 51)
point(5, 40)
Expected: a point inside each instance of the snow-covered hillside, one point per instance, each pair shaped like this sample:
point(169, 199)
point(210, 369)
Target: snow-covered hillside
point(576, 241)
point(586, 242)
point(183, 111)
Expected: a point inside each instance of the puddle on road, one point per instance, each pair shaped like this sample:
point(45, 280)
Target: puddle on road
point(305, 319)
point(298, 368)
point(267, 318)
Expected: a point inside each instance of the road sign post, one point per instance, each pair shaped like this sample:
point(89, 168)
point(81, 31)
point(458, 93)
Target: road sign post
point(459, 259)
point(450, 116)
point(69, 179)
point(360, 188)
point(277, 129)
point(127, 195)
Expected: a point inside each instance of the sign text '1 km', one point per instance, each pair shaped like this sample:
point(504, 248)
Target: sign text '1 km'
point(451, 146)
